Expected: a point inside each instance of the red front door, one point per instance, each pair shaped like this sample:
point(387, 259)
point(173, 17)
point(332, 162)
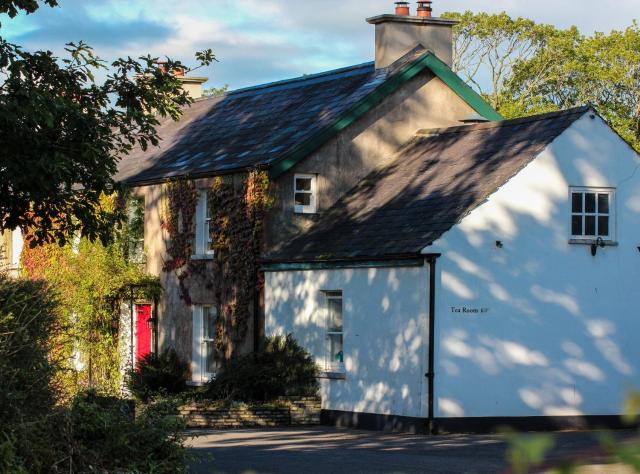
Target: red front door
point(143, 331)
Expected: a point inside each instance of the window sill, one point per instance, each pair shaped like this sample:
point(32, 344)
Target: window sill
point(202, 257)
point(607, 243)
point(333, 375)
point(305, 213)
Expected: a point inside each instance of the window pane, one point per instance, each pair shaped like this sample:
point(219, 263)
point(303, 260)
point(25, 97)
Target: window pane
point(576, 205)
point(335, 314)
point(589, 202)
point(603, 226)
point(210, 357)
point(576, 225)
point(209, 322)
point(590, 225)
point(603, 203)
point(303, 199)
point(336, 353)
point(303, 184)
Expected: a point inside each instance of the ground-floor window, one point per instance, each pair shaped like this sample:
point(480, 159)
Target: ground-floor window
point(335, 331)
point(204, 365)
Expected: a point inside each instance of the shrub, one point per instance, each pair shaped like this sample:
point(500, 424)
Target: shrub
point(280, 368)
point(28, 366)
point(165, 374)
point(39, 431)
point(106, 438)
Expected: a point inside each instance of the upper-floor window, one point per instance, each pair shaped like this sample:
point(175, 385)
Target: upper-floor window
point(592, 213)
point(305, 193)
point(204, 242)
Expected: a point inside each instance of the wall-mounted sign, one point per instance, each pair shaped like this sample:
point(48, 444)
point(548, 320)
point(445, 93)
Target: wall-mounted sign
point(468, 311)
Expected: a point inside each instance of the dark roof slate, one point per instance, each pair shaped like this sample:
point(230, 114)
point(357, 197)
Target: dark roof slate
point(254, 126)
point(436, 180)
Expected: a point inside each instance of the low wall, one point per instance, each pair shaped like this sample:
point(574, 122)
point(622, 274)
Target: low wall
point(290, 411)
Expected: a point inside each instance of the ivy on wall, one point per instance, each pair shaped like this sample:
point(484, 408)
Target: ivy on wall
point(237, 223)
point(237, 209)
point(179, 220)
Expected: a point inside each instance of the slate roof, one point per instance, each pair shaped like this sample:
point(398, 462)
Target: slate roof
point(434, 181)
point(255, 126)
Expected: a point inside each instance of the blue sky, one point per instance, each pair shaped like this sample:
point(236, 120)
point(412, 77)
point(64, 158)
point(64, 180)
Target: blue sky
point(264, 40)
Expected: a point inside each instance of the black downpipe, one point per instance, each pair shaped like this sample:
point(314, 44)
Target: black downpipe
point(432, 428)
point(257, 317)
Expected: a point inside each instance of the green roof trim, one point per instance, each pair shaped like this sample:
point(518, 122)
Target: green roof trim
point(328, 265)
point(426, 61)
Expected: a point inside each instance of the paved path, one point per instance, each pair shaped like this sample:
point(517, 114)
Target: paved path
point(331, 450)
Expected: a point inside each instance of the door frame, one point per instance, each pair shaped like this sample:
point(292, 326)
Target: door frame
point(150, 329)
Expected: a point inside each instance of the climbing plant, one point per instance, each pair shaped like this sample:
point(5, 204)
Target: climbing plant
point(237, 219)
point(91, 281)
point(179, 220)
point(237, 210)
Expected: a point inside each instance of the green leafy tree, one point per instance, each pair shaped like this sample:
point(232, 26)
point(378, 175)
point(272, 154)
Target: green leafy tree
point(488, 47)
point(602, 70)
point(215, 91)
point(62, 132)
point(524, 68)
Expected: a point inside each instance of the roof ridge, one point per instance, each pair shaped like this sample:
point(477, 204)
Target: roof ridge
point(503, 123)
point(294, 80)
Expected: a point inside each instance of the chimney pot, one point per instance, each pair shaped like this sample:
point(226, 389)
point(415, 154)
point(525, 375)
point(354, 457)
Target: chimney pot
point(402, 9)
point(424, 9)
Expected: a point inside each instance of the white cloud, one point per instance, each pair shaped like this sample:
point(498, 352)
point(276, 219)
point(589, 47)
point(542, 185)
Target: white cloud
point(264, 40)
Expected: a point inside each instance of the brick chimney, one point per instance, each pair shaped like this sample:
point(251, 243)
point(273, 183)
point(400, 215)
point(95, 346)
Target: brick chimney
point(398, 34)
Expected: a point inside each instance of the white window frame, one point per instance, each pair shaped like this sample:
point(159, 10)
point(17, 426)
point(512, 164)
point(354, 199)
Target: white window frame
point(611, 192)
point(330, 365)
point(312, 208)
point(203, 242)
point(199, 373)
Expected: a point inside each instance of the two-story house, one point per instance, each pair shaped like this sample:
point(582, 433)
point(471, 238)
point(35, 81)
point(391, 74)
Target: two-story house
point(445, 267)
point(317, 136)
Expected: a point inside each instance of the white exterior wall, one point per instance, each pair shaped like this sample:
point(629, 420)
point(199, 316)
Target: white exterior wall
point(385, 314)
point(561, 334)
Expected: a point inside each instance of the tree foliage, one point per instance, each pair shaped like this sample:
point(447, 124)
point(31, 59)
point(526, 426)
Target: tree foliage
point(602, 70)
point(488, 47)
point(63, 133)
point(524, 68)
point(92, 281)
point(13, 7)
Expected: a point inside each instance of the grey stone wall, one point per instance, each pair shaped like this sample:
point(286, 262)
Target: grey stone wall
point(289, 411)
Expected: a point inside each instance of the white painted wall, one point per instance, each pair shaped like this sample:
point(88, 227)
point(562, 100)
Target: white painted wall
point(562, 332)
point(385, 314)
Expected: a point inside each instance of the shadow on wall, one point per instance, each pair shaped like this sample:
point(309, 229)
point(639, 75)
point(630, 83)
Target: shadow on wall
point(385, 333)
point(559, 337)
